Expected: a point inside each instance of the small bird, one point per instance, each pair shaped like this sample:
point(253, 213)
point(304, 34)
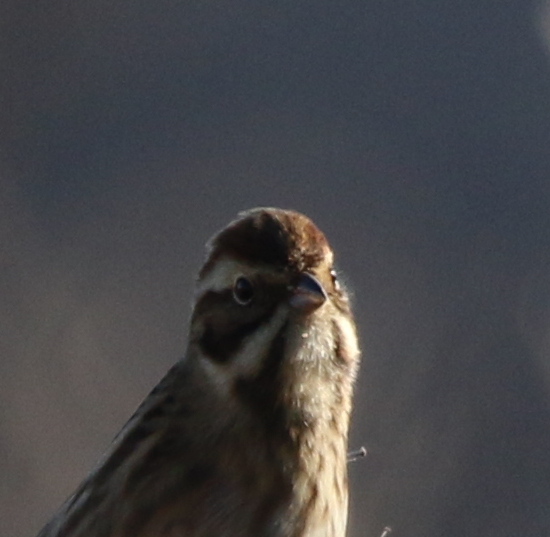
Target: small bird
point(247, 435)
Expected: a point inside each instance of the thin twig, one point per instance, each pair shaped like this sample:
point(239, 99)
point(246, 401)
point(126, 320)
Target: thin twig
point(357, 454)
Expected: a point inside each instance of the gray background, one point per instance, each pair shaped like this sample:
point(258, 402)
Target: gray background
point(415, 133)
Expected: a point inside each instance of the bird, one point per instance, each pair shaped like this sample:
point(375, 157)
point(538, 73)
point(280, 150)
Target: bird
point(247, 434)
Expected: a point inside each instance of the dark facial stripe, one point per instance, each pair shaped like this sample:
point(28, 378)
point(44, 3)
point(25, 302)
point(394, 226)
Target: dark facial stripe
point(222, 346)
point(227, 324)
point(260, 393)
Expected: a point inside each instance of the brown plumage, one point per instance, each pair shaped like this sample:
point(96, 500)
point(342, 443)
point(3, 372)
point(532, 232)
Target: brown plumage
point(247, 435)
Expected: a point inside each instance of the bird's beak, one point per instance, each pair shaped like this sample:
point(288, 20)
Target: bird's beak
point(308, 294)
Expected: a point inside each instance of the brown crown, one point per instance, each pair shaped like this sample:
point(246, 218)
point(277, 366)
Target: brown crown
point(280, 238)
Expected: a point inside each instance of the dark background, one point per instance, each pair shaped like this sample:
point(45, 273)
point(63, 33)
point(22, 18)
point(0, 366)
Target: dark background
point(415, 133)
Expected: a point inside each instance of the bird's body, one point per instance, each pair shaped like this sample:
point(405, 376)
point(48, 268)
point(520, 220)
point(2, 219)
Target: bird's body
point(247, 435)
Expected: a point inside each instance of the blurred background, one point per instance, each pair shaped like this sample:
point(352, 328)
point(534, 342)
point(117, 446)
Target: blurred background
point(415, 133)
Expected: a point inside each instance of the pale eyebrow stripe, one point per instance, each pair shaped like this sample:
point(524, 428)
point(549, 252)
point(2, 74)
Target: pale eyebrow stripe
point(222, 275)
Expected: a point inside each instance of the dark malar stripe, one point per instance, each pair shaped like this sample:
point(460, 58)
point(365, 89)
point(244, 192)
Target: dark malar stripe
point(226, 330)
point(260, 393)
point(222, 346)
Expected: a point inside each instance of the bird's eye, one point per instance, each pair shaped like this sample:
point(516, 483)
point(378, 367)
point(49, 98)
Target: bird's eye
point(335, 282)
point(243, 291)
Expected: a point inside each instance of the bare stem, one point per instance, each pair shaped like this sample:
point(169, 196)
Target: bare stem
point(357, 454)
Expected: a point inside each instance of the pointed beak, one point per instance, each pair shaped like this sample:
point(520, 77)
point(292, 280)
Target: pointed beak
point(308, 294)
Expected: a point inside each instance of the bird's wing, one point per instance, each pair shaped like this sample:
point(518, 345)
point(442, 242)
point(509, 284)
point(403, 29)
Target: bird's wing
point(153, 480)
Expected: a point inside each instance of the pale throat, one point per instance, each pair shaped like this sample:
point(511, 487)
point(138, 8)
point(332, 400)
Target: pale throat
point(314, 387)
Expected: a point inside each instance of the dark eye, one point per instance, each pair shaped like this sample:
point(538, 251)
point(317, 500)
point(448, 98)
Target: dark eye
point(243, 291)
point(335, 282)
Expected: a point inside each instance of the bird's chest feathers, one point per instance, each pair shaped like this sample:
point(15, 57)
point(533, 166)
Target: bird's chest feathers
point(316, 427)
